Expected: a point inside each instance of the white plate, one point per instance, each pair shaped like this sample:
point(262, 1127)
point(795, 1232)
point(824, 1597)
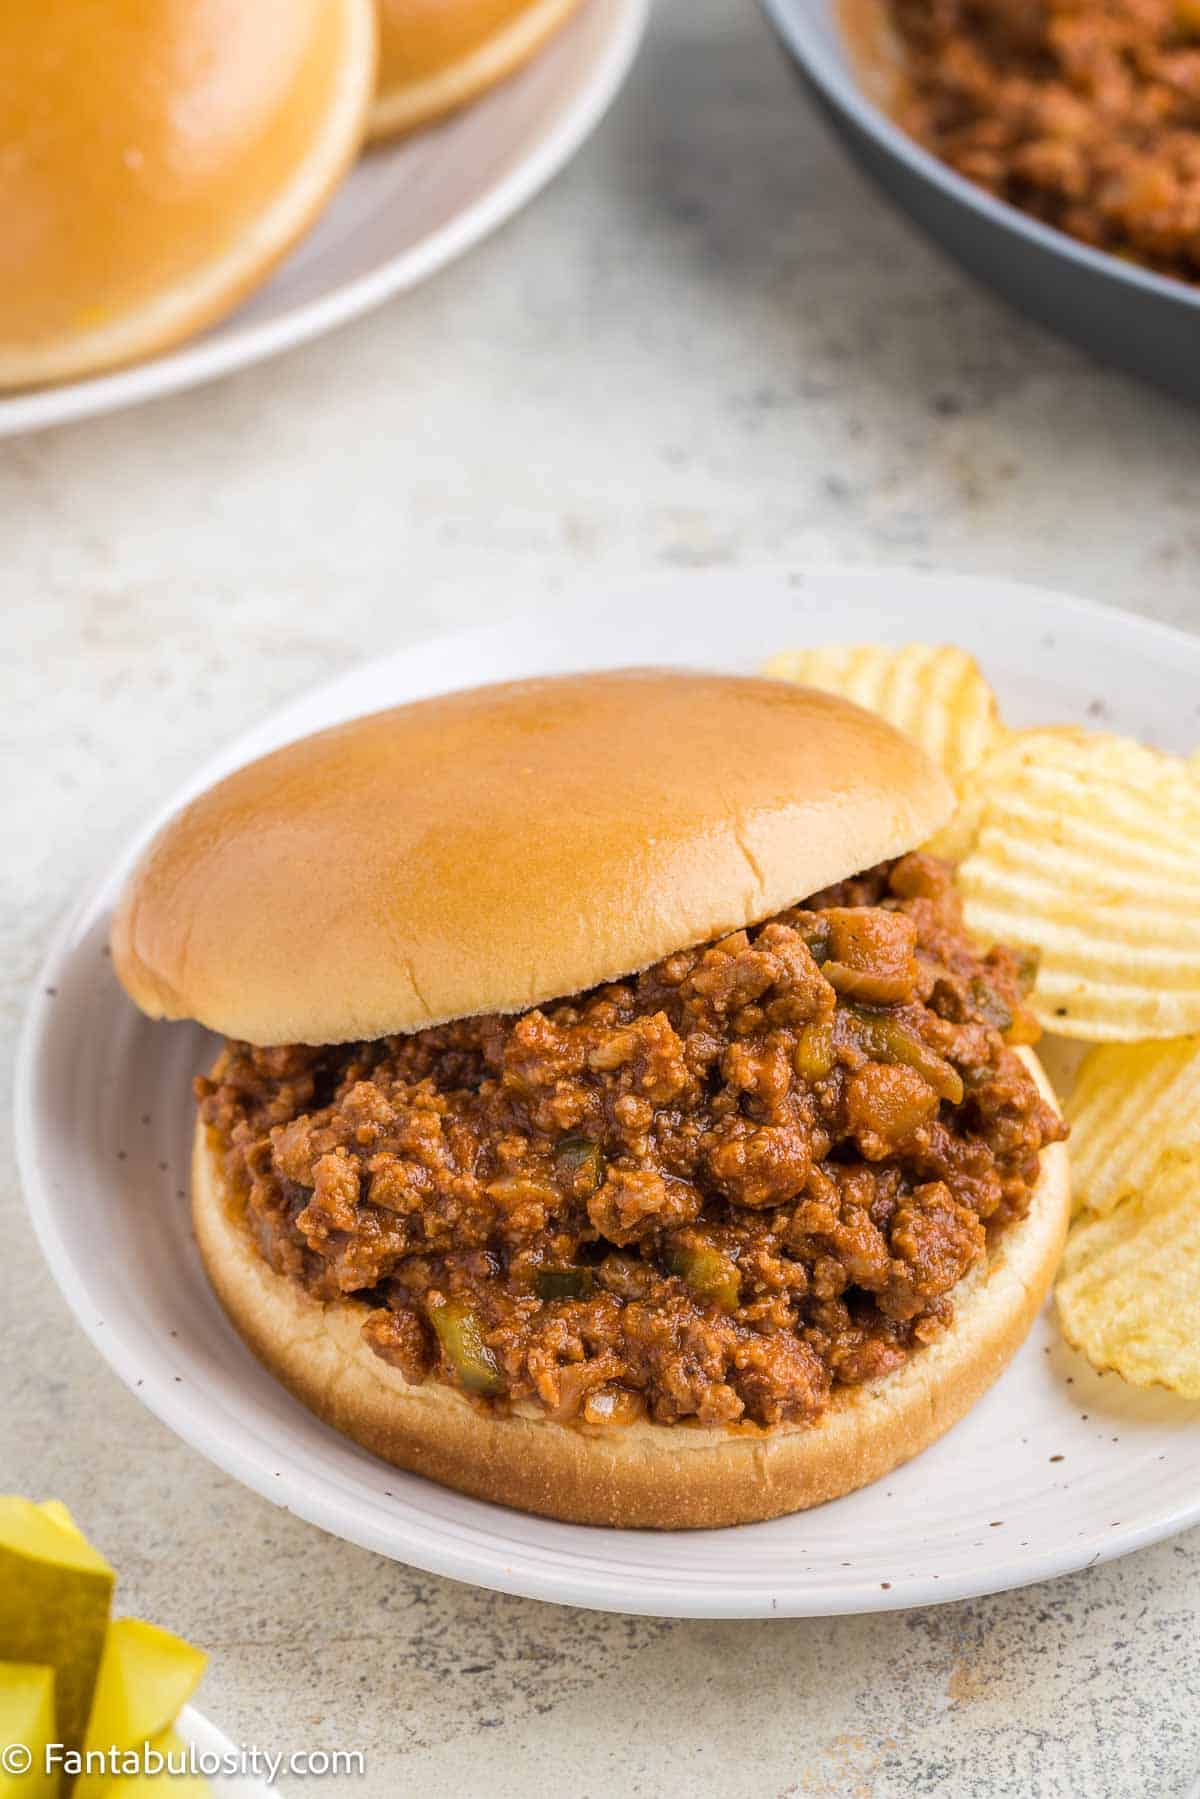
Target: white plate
point(195, 1728)
point(404, 212)
point(1054, 1469)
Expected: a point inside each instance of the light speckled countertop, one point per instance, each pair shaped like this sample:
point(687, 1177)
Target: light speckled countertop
point(708, 343)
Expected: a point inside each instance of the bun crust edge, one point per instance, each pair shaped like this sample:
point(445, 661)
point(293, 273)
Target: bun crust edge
point(644, 1476)
point(406, 105)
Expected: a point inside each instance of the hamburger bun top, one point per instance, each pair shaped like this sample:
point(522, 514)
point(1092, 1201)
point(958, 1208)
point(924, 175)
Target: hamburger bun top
point(491, 849)
point(435, 55)
point(159, 157)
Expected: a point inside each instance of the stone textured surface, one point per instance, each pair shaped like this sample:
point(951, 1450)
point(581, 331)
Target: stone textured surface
point(708, 343)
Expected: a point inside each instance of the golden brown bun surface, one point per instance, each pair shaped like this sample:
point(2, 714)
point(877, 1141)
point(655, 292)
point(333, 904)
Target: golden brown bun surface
point(495, 848)
point(435, 55)
point(653, 1476)
point(156, 158)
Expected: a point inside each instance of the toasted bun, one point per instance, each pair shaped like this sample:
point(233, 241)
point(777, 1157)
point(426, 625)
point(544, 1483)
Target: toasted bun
point(158, 158)
point(435, 55)
point(495, 848)
point(652, 1476)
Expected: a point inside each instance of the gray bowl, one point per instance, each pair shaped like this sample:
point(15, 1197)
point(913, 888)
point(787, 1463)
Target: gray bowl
point(1143, 322)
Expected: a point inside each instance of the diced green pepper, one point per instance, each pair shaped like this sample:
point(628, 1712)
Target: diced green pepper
point(461, 1336)
point(579, 1156)
point(889, 1040)
point(815, 932)
point(990, 1007)
point(710, 1275)
point(563, 1283)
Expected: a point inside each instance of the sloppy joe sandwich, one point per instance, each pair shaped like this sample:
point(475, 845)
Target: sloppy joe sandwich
point(615, 1118)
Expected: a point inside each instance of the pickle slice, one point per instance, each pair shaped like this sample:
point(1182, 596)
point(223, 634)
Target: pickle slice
point(146, 1675)
point(167, 1782)
point(55, 1595)
point(27, 1719)
point(56, 1511)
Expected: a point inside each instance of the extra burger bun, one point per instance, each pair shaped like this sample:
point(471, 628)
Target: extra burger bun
point(492, 849)
point(158, 159)
point(645, 1475)
point(435, 55)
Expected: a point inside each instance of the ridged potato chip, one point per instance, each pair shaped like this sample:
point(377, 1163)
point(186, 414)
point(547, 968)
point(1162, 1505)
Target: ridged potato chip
point(1100, 754)
point(934, 693)
point(1087, 847)
point(1132, 1105)
point(1129, 1287)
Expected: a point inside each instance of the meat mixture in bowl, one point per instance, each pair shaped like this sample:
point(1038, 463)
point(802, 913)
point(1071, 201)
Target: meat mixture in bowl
point(1085, 113)
point(716, 1191)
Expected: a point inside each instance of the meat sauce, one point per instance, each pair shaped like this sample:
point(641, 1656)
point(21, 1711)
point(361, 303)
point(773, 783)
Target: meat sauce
point(1085, 113)
point(715, 1191)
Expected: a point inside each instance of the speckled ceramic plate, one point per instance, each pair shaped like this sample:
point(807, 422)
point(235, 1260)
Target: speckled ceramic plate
point(403, 212)
point(1055, 1469)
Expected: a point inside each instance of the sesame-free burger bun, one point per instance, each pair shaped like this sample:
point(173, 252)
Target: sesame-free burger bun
point(158, 158)
point(495, 848)
point(643, 1475)
point(435, 55)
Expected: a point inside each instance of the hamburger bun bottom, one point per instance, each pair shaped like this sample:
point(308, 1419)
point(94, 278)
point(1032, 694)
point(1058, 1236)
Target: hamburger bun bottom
point(644, 1475)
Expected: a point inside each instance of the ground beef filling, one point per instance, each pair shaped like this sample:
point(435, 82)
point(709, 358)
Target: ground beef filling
point(714, 1191)
point(1083, 112)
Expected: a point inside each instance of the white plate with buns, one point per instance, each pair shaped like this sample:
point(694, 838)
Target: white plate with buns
point(408, 207)
point(1054, 1469)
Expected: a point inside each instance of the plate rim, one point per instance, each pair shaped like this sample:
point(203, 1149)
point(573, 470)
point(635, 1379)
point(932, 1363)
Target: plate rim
point(209, 357)
point(446, 1549)
point(198, 1730)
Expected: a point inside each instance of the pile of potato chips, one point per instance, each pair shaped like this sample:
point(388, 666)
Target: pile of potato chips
point(1086, 847)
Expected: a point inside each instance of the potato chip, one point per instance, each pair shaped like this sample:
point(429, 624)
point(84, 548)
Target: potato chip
point(1132, 1105)
point(1102, 755)
point(1087, 847)
point(956, 838)
point(934, 693)
point(1129, 1287)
